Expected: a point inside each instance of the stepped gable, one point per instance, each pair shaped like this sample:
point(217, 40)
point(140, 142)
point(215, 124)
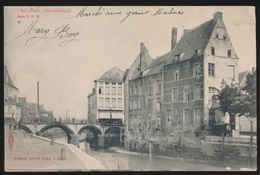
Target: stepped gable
point(194, 39)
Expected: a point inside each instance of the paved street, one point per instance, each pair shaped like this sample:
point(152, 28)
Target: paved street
point(35, 154)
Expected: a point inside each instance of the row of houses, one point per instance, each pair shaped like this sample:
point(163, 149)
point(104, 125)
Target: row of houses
point(175, 91)
point(17, 108)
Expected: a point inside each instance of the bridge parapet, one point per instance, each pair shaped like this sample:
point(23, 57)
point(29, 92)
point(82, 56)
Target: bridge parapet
point(71, 128)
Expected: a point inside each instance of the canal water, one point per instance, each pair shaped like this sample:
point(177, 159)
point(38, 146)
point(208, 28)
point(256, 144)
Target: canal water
point(115, 158)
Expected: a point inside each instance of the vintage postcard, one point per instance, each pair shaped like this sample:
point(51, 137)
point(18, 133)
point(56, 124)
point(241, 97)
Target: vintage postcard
point(129, 88)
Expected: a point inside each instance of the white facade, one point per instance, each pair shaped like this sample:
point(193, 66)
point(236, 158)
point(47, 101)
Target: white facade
point(220, 64)
point(110, 96)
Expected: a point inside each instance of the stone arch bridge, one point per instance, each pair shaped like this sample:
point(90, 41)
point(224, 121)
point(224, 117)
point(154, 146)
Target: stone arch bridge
point(73, 130)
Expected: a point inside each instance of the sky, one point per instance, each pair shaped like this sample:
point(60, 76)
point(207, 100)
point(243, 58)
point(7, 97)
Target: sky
point(67, 48)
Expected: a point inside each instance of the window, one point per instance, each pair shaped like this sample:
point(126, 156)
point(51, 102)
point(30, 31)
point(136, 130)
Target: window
point(159, 105)
point(196, 53)
point(168, 117)
point(107, 83)
point(212, 50)
point(149, 104)
point(197, 91)
point(135, 105)
point(100, 90)
point(196, 70)
point(176, 75)
point(131, 90)
point(107, 103)
point(113, 103)
point(159, 87)
point(131, 105)
point(177, 57)
point(158, 123)
point(197, 114)
point(113, 89)
point(119, 91)
point(101, 105)
point(136, 90)
point(144, 103)
point(107, 90)
point(229, 52)
point(231, 72)
point(187, 119)
point(174, 94)
point(139, 104)
point(211, 69)
point(186, 95)
point(216, 35)
point(149, 123)
point(119, 83)
point(212, 90)
point(120, 103)
point(224, 36)
point(113, 83)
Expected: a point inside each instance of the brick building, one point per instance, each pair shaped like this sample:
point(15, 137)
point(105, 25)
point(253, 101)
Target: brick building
point(142, 60)
point(176, 90)
point(202, 59)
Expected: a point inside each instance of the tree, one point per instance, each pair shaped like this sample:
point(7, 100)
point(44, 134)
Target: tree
point(250, 89)
point(234, 99)
point(228, 97)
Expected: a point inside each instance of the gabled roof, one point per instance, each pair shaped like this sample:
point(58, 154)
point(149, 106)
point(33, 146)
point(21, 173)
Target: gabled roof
point(145, 59)
point(33, 106)
point(7, 79)
point(195, 39)
point(113, 75)
point(156, 66)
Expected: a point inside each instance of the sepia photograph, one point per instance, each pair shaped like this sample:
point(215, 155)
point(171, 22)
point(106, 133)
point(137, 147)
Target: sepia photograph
point(130, 88)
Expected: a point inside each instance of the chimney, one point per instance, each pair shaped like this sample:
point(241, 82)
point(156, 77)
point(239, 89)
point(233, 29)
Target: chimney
point(217, 15)
point(142, 50)
point(185, 31)
point(174, 37)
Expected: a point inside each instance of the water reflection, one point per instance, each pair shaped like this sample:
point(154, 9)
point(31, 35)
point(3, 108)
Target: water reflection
point(134, 161)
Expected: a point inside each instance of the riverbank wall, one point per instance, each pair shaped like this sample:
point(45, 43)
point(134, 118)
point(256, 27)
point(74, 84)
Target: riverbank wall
point(234, 152)
point(28, 152)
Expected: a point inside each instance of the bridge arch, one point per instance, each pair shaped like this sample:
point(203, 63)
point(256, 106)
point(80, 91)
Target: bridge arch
point(65, 128)
point(112, 128)
point(92, 128)
point(25, 128)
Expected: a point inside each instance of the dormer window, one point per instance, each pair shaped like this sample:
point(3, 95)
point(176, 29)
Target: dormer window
point(212, 50)
point(216, 35)
point(229, 52)
point(177, 57)
point(196, 53)
point(224, 36)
